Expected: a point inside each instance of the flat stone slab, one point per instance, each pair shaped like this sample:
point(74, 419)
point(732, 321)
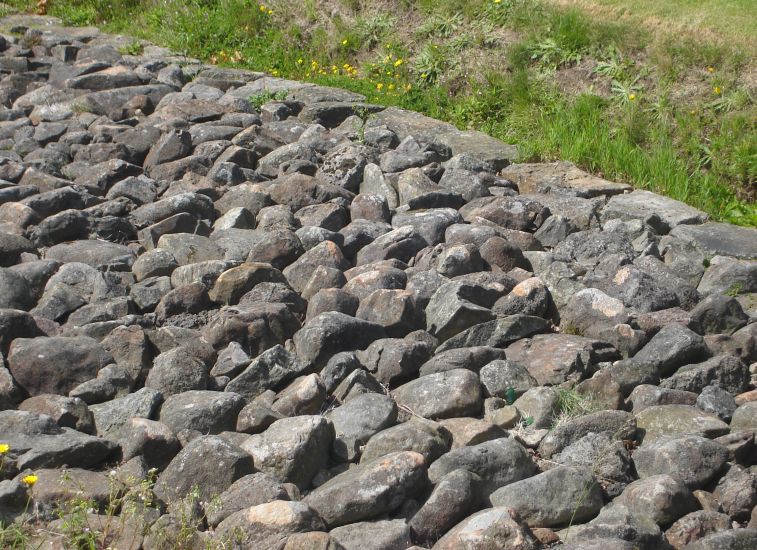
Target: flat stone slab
point(267, 84)
point(480, 146)
point(662, 213)
point(720, 239)
point(477, 144)
point(561, 177)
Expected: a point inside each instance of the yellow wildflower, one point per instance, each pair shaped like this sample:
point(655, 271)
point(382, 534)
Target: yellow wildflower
point(408, 87)
point(398, 63)
point(710, 69)
point(299, 61)
point(631, 96)
point(379, 86)
point(262, 7)
point(497, 1)
point(344, 42)
point(30, 479)
point(4, 448)
point(270, 12)
point(717, 90)
point(390, 87)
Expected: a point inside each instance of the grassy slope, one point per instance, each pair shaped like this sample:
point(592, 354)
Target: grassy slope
point(720, 20)
point(619, 95)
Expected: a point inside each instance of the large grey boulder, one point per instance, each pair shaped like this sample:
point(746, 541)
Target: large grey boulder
point(292, 449)
point(357, 420)
point(559, 496)
point(491, 528)
point(498, 463)
point(442, 395)
point(208, 463)
point(268, 525)
point(370, 490)
point(691, 458)
point(55, 364)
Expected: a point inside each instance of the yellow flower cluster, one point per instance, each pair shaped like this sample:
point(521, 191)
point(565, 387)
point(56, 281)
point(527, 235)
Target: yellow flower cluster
point(389, 75)
point(265, 10)
point(318, 69)
point(226, 57)
point(4, 448)
point(30, 479)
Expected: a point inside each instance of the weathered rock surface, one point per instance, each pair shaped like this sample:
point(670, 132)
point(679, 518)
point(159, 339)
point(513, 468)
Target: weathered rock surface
point(362, 305)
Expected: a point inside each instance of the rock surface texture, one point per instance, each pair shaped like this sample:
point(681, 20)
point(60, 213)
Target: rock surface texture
point(328, 324)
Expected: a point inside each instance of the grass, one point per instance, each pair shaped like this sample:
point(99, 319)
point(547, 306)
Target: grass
point(571, 404)
point(723, 20)
point(603, 84)
point(121, 521)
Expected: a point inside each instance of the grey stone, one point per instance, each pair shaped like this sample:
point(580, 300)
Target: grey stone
point(672, 420)
point(205, 411)
point(696, 525)
point(691, 458)
point(745, 417)
point(270, 370)
point(717, 401)
point(732, 539)
point(381, 535)
point(498, 463)
point(359, 419)
point(491, 528)
point(618, 522)
point(369, 490)
point(111, 416)
point(673, 347)
point(36, 363)
point(498, 333)
point(726, 274)
point(724, 371)
point(292, 449)
point(250, 490)
point(662, 497)
point(620, 425)
point(556, 497)
point(208, 463)
point(268, 525)
point(332, 332)
point(660, 213)
point(720, 239)
point(419, 435)
point(442, 395)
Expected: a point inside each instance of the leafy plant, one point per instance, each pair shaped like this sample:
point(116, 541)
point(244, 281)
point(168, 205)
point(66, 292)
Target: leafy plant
point(441, 25)
point(430, 64)
point(550, 54)
point(372, 30)
point(258, 100)
point(134, 48)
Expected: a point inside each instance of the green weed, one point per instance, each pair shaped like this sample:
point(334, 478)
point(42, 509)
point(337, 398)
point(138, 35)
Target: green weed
point(134, 48)
point(261, 99)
